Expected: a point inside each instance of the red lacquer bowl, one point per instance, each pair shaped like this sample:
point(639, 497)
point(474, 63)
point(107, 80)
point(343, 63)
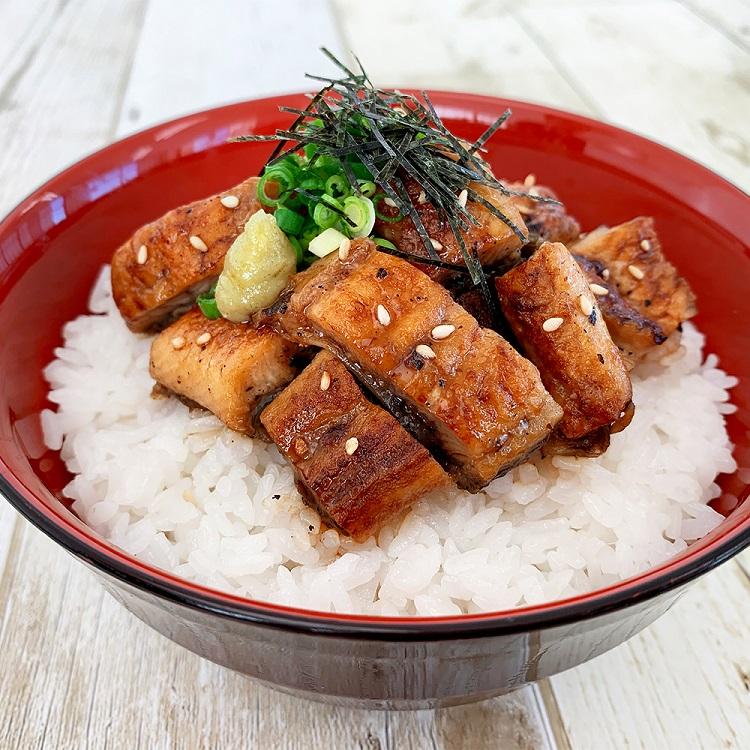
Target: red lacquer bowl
point(54, 242)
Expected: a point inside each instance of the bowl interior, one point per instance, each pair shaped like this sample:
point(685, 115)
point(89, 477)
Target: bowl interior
point(53, 245)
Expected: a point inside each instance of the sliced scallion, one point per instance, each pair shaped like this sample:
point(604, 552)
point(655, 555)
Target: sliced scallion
point(361, 214)
point(289, 222)
point(390, 218)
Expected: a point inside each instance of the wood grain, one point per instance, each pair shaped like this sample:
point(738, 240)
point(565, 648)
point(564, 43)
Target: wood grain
point(59, 84)
point(683, 682)
point(663, 72)
point(454, 46)
point(193, 59)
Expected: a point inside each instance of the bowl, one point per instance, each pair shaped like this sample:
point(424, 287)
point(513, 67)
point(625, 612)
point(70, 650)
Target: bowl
point(54, 242)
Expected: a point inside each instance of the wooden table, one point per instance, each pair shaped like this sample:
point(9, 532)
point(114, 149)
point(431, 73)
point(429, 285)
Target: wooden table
point(76, 671)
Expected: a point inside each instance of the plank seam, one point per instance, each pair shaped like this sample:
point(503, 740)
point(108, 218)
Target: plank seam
point(551, 715)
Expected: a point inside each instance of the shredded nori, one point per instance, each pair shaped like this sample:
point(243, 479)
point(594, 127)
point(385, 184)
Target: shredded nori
point(394, 135)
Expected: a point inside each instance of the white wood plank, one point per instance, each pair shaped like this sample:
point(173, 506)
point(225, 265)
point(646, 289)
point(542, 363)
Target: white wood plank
point(22, 17)
point(684, 682)
point(663, 72)
point(8, 520)
point(193, 59)
point(58, 90)
point(730, 17)
point(462, 45)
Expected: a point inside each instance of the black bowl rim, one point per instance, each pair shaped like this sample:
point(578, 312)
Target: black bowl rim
point(505, 622)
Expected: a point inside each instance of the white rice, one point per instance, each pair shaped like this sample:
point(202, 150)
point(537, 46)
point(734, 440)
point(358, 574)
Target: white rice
point(176, 489)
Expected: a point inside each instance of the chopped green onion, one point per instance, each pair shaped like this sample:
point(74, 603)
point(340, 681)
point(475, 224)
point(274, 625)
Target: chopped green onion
point(312, 184)
point(285, 172)
point(297, 245)
point(337, 185)
point(367, 188)
point(326, 242)
point(377, 200)
point(264, 197)
point(326, 166)
point(207, 304)
point(309, 233)
point(323, 215)
point(361, 213)
point(289, 222)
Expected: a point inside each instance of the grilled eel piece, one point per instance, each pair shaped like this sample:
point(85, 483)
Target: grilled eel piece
point(231, 369)
point(647, 299)
point(462, 390)
point(550, 221)
point(633, 333)
point(554, 315)
point(161, 269)
point(353, 461)
point(491, 240)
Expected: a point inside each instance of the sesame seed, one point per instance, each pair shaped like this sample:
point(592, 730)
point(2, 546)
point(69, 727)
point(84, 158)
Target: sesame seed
point(635, 272)
point(325, 381)
point(463, 196)
point(442, 331)
point(344, 247)
point(525, 210)
point(204, 338)
point(230, 201)
point(645, 245)
point(437, 245)
point(389, 202)
point(425, 351)
point(351, 445)
point(384, 317)
point(605, 274)
point(599, 290)
point(198, 243)
point(422, 197)
point(552, 324)
point(142, 256)
point(530, 180)
point(586, 305)
point(178, 342)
